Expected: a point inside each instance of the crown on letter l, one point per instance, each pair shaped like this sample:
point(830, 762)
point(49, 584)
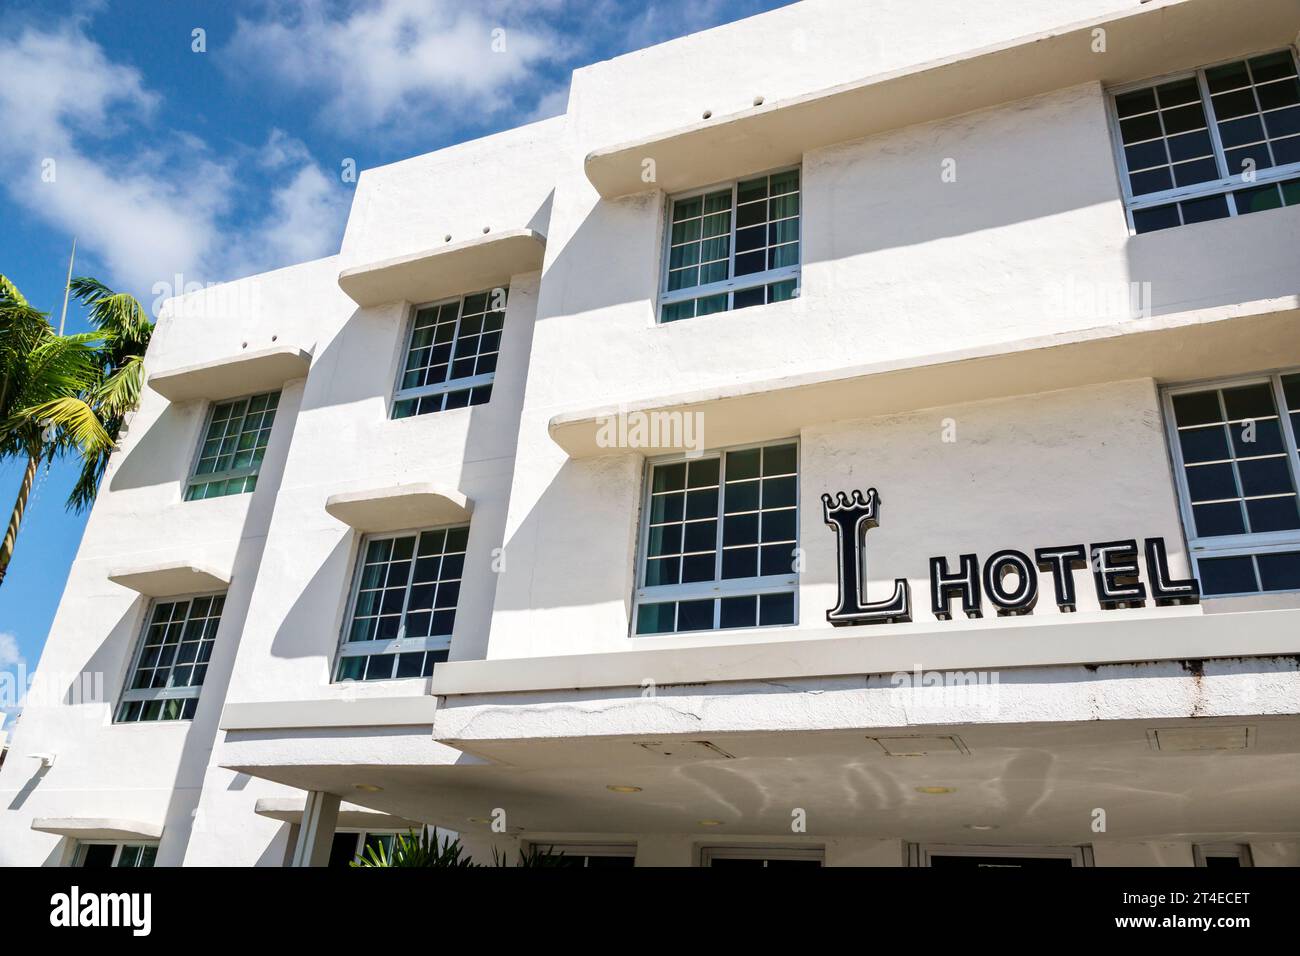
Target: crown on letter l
point(851, 502)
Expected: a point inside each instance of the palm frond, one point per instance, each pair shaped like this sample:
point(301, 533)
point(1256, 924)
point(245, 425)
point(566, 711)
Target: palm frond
point(116, 314)
point(74, 418)
point(120, 392)
point(10, 291)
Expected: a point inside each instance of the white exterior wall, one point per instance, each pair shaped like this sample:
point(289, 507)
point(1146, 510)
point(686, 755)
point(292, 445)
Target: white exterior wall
point(897, 265)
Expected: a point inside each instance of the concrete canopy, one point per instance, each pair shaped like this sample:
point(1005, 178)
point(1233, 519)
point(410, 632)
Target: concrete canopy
point(481, 263)
point(243, 374)
point(170, 579)
point(399, 508)
point(98, 828)
point(1031, 784)
point(290, 810)
point(1156, 38)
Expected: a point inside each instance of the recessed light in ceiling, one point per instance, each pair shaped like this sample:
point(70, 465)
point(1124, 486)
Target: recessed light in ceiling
point(1200, 738)
point(921, 745)
point(366, 787)
point(622, 788)
point(981, 826)
point(935, 791)
point(709, 823)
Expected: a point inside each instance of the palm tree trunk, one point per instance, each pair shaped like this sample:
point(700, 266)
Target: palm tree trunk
point(16, 519)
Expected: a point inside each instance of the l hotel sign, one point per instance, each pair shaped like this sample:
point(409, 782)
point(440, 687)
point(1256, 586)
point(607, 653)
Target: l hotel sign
point(1114, 571)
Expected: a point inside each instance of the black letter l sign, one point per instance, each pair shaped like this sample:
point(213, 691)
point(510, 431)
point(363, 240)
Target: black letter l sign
point(850, 519)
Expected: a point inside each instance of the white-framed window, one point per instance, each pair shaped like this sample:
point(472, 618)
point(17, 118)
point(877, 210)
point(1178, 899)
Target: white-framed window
point(171, 661)
point(762, 857)
point(1220, 141)
point(235, 436)
point(1233, 445)
point(451, 354)
point(102, 855)
point(403, 607)
point(719, 538)
point(595, 855)
point(1222, 855)
point(732, 246)
point(1000, 857)
point(348, 845)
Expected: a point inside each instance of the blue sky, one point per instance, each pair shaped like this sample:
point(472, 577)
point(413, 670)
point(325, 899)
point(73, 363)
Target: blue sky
point(209, 165)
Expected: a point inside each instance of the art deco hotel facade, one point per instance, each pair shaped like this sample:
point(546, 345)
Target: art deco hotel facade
point(862, 434)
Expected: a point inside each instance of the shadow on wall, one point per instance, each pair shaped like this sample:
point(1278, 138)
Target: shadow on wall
point(29, 787)
point(1221, 262)
point(611, 259)
point(559, 527)
point(111, 659)
point(309, 628)
point(164, 454)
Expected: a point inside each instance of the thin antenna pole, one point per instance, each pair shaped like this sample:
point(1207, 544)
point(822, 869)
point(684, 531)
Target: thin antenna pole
point(67, 286)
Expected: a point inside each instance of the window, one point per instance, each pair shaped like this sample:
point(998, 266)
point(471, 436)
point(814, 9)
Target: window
point(998, 857)
point(691, 577)
point(405, 605)
point(349, 845)
point(234, 443)
point(1221, 141)
point(732, 246)
point(173, 660)
point(451, 354)
point(1236, 463)
point(1226, 856)
point(103, 856)
point(744, 857)
point(575, 856)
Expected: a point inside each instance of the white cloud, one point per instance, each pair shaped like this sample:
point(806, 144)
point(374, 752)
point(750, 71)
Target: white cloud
point(11, 659)
point(10, 656)
point(303, 222)
point(167, 205)
point(394, 60)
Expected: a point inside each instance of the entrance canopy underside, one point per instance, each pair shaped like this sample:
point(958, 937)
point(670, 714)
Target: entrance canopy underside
point(1215, 780)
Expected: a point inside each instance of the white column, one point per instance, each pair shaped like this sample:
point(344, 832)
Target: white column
point(666, 849)
point(316, 832)
point(1106, 853)
point(860, 851)
point(1275, 854)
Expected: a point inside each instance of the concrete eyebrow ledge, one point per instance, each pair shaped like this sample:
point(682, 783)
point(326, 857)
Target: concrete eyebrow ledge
point(336, 712)
point(1220, 341)
point(290, 810)
point(170, 579)
point(1135, 636)
point(399, 508)
point(235, 375)
point(470, 266)
point(1150, 40)
point(98, 828)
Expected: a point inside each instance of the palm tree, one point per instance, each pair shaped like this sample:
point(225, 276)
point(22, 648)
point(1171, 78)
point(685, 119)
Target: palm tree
point(44, 380)
point(124, 330)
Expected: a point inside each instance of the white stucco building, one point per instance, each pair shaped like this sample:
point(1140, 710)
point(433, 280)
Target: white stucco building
point(509, 519)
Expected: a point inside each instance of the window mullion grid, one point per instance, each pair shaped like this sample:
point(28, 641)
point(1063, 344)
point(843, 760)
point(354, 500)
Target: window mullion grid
point(1259, 110)
point(1212, 125)
point(406, 594)
point(180, 639)
point(1289, 439)
point(1220, 154)
point(731, 267)
point(1232, 460)
point(720, 511)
